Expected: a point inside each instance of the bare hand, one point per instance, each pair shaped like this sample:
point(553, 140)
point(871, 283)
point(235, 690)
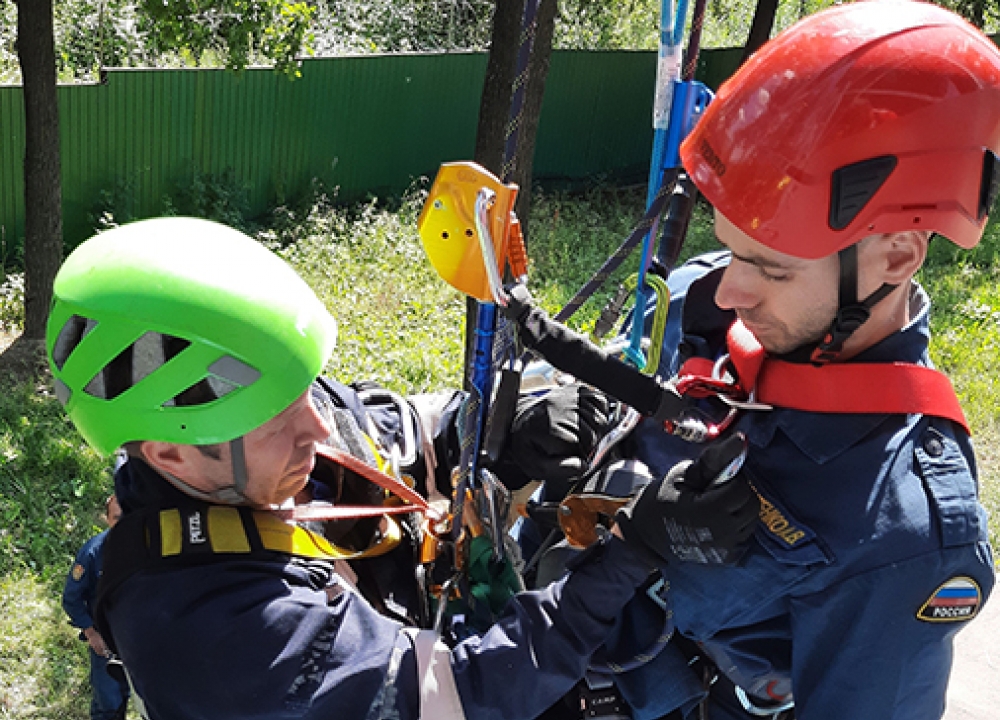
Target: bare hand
point(96, 642)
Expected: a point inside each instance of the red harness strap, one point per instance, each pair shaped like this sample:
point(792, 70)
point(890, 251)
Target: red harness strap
point(897, 388)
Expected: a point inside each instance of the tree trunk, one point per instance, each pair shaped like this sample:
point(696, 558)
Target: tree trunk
point(760, 29)
point(42, 189)
point(494, 104)
point(494, 107)
point(538, 71)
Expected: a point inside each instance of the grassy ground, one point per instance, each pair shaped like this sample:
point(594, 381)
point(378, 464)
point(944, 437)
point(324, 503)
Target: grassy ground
point(399, 324)
point(966, 345)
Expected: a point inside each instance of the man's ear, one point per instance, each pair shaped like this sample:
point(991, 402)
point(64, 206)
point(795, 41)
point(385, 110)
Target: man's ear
point(900, 255)
point(164, 456)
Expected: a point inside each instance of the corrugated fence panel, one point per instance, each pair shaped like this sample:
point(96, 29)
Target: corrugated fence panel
point(11, 172)
point(377, 123)
point(364, 125)
point(596, 116)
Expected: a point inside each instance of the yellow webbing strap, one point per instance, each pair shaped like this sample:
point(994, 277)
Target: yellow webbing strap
point(225, 533)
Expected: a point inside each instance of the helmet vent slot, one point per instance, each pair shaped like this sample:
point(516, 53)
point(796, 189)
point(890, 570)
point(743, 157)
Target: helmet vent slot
point(75, 330)
point(234, 371)
point(990, 184)
point(225, 375)
point(133, 364)
point(201, 393)
point(854, 185)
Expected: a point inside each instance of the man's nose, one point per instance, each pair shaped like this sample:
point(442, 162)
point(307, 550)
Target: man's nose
point(315, 427)
point(738, 288)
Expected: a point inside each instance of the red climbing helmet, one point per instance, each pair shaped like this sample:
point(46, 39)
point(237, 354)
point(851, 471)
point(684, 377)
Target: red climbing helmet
point(875, 117)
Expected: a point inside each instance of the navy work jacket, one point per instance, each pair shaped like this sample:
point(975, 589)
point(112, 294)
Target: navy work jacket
point(249, 637)
point(80, 589)
point(871, 553)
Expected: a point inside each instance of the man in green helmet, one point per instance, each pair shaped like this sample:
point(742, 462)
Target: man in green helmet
point(197, 349)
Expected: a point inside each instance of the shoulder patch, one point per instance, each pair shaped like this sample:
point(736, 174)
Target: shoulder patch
point(77, 572)
point(956, 600)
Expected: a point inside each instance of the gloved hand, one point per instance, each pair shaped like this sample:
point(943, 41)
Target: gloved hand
point(702, 511)
point(552, 436)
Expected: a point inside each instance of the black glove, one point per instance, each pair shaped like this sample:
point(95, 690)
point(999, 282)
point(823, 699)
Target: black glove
point(703, 511)
point(553, 435)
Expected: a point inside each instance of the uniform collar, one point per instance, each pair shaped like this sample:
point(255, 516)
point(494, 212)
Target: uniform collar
point(823, 437)
point(138, 486)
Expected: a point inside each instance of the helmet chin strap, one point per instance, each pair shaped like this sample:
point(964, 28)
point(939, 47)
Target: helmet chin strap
point(851, 314)
point(238, 460)
point(234, 494)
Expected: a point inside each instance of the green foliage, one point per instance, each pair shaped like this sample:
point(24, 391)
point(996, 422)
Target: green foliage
point(367, 26)
point(965, 325)
point(981, 13)
point(115, 206)
point(94, 34)
point(12, 303)
point(604, 25)
point(10, 69)
point(634, 24)
point(52, 491)
point(219, 197)
point(573, 234)
point(91, 34)
point(239, 32)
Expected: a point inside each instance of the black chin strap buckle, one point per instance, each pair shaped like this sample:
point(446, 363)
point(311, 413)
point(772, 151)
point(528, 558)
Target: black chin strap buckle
point(847, 321)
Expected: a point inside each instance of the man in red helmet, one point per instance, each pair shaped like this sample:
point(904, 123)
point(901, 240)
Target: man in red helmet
point(831, 158)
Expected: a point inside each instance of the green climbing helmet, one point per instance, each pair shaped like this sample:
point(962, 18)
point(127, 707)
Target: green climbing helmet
point(181, 330)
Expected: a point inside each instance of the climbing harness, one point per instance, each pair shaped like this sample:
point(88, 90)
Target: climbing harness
point(755, 381)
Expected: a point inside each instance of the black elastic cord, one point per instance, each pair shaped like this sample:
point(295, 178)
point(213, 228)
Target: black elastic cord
point(848, 276)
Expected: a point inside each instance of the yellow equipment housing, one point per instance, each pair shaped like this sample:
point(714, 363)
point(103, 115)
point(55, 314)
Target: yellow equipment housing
point(447, 227)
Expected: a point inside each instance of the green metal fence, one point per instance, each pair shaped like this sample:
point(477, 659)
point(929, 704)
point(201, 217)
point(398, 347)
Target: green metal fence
point(365, 125)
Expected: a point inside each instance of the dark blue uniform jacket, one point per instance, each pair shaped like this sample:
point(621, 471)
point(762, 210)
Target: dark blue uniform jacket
point(871, 553)
point(81, 583)
point(248, 637)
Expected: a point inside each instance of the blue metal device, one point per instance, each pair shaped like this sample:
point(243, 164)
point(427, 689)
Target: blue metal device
point(677, 105)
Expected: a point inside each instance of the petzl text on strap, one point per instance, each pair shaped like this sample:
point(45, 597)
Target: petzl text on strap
point(220, 530)
point(197, 533)
point(897, 388)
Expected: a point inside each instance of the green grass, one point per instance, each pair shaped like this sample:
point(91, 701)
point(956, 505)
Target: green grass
point(965, 344)
point(401, 325)
point(43, 667)
point(52, 487)
point(398, 322)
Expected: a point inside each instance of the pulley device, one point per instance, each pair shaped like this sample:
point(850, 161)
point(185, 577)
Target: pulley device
point(472, 238)
point(470, 210)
